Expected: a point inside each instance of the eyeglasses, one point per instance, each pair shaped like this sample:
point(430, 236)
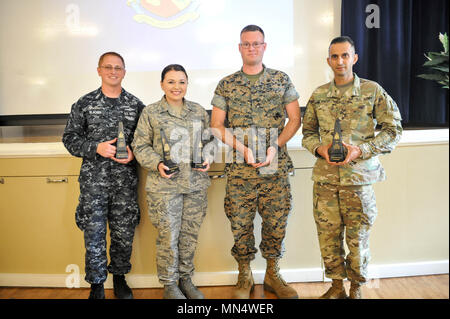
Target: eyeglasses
point(247, 45)
point(109, 68)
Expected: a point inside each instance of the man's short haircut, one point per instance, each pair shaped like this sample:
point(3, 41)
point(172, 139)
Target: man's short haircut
point(342, 39)
point(110, 53)
point(252, 28)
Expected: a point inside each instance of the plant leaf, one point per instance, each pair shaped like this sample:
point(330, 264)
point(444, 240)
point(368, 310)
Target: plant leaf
point(436, 60)
point(441, 68)
point(444, 40)
point(433, 77)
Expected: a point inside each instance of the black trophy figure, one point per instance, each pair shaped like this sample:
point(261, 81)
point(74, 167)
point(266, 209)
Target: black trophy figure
point(197, 151)
point(167, 160)
point(337, 152)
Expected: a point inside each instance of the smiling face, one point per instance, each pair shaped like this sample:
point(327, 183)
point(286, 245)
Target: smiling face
point(174, 86)
point(112, 71)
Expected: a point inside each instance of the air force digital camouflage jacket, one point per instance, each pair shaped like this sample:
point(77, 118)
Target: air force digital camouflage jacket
point(359, 110)
point(179, 130)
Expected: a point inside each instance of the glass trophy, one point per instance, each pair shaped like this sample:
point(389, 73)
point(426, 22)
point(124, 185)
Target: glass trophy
point(337, 152)
point(167, 160)
point(121, 145)
point(258, 148)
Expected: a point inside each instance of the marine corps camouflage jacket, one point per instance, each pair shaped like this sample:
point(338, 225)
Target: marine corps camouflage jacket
point(258, 106)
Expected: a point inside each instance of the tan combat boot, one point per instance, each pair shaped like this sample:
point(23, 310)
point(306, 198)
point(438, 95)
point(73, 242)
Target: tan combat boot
point(273, 282)
point(355, 291)
point(337, 291)
point(245, 282)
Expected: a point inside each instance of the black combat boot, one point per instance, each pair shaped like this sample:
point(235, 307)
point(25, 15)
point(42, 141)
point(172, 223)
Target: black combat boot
point(121, 289)
point(97, 291)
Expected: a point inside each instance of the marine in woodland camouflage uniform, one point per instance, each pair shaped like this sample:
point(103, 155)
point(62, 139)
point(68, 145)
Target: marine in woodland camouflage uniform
point(108, 190)
point(177, 205)
point(261, 105)
point(343, 196)
point(255, 102)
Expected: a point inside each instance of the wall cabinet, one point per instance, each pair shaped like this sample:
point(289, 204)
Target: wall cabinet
point(37, 225)
point(38, 235)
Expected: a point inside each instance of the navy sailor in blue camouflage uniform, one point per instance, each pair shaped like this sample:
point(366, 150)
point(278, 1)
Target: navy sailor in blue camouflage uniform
point(108, 186)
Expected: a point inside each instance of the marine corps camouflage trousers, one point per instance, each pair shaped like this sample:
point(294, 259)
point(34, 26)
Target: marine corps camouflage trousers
point(97, 207)
point(271, 197)
point(344, 208)
point(177, 218)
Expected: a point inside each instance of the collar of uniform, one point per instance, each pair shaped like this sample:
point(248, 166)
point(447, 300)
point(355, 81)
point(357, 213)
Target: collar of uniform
point(100, 95)
point(164, 107)
point(356, 88)
point(242, 79)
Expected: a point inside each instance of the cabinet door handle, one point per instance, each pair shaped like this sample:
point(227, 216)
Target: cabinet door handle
point(217, 176)
point(2, 180)
point(57, 180)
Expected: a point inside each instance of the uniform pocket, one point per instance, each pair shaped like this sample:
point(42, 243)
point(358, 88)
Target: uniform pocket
point(135, 215)
point(153, 211)
point(368, 204)
point(315, 196)
point(272, 101)
point(92, 208)
point(315, 201)
point(362, 208)
point(82, 215)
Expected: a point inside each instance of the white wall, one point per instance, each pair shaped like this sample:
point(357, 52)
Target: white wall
point(50, 48)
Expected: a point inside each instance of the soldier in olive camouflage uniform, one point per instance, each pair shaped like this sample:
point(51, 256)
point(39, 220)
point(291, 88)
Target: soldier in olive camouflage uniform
point(343, 195)
point(256, 105)
point(176, 205)
point(108, 187)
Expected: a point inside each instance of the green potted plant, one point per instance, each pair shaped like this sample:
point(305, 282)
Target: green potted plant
point(437, 64)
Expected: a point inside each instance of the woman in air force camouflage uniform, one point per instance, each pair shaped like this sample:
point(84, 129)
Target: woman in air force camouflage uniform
point(177, 201)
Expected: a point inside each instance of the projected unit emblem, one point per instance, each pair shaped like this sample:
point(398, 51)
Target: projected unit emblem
point(164, 14)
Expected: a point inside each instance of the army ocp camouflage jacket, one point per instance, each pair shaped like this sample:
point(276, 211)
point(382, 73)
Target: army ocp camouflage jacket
point(359, 110)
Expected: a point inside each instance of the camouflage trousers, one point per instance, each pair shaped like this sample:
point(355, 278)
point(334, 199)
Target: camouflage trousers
point(344, 208)
point(271, 197)
point(97, 207)
point(177, 218)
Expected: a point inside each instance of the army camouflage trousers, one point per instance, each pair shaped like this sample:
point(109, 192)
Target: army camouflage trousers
point(271, 197)
point(97, 207)
point(349, 208)
point(177, 218)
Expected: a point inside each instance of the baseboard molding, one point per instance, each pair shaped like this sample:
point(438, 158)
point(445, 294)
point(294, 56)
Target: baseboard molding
point(222, 278)
point(409, 269)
